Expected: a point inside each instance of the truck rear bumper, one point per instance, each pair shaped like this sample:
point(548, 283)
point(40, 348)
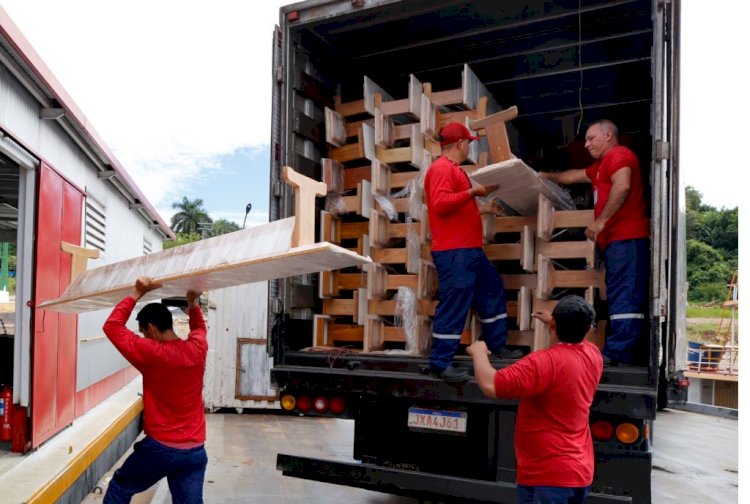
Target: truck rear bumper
point(409, 483)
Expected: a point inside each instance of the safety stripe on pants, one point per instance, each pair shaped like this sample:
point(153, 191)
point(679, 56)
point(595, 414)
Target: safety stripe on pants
point(622, 316)
point(494, 319)
point(446, 336)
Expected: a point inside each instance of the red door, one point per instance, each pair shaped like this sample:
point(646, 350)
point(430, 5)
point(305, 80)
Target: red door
point(55, 343)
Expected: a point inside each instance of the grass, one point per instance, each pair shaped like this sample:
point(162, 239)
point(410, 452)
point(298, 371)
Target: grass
point(709, 324)
point(708, 312)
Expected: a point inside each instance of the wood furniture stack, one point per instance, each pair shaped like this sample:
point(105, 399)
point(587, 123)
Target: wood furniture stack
point(379, 150)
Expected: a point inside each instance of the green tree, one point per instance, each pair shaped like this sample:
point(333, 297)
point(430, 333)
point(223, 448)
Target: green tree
point(181, 239)
point(224, 226)
point(190, 213)
point(708, 272)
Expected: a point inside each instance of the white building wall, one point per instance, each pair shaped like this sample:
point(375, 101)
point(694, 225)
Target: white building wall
point(125, 228)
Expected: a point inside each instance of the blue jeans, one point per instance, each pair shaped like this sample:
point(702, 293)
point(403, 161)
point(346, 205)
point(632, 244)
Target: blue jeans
point(551, 495)
point(152, 461)
point(466, 278)
point(627, 275)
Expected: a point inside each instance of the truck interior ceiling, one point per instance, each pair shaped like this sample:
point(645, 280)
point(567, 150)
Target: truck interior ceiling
point(9, 186)
point(564, 63)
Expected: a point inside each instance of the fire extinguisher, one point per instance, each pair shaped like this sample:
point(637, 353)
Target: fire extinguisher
point(6, 414)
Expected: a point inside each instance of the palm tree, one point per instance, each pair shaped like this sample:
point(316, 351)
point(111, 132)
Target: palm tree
point(190, 213)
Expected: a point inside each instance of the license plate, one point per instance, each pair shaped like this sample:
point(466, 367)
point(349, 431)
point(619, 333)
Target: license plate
point(438, 420)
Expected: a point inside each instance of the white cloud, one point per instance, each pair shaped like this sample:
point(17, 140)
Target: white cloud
point(169, 85)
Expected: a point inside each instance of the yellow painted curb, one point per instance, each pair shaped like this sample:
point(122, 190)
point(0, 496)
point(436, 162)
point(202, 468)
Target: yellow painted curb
point(56, 487)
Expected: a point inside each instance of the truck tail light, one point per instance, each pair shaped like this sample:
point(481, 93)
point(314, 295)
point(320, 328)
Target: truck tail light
point(627, 433)
point(320, 404)
point(304, 403)
point(683, 383)
point(602, 430)
point(288, 402)
point(338, 405)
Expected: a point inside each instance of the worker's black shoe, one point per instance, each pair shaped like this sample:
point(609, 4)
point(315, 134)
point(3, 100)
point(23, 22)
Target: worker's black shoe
point(507, 353)
point(452, 374)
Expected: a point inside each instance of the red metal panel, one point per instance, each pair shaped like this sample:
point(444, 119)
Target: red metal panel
point(53, 364)
point(67, 343)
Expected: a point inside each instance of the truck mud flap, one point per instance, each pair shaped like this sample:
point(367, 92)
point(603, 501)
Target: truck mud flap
point(409, 483)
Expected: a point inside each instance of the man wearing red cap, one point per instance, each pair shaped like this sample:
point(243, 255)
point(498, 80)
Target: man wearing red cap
point(466, 277)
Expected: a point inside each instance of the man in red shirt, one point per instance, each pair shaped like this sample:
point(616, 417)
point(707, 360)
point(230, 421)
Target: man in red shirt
point(173, 416)
point(621, 230)
point(555, 388)
point(466, 277)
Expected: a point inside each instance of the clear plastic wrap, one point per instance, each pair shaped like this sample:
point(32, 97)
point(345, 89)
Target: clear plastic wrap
point(335, 204)
point(406, 317)
point(246, 256)
point(520, 186)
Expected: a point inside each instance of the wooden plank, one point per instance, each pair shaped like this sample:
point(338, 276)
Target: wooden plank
point(573, 218)
point(514, 224)
point(339, 307)
point(353, 230)
point(354, 176)
point(350, 108)
point(503, 251)
point(393, 282)
point(569, 250)
point(79, 257)
point(389, 255)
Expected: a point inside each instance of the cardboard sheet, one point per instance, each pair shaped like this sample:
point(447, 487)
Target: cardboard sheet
point(251, 255)
point(520, 186)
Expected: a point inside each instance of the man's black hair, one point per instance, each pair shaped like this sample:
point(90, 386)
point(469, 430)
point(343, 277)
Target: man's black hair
point(157, 314)
point(574, 318)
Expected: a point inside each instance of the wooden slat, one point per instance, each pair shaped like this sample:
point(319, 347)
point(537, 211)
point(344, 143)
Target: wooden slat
point(339, 307)
point(389, 255)
point(353, 176)
point(393, 282)
point(514, 224)
point(503, 251)
point(350, 108)
point(353, 230)
point(572, 218)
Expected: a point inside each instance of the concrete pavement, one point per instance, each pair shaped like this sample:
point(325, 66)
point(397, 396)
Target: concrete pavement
point(695, 460)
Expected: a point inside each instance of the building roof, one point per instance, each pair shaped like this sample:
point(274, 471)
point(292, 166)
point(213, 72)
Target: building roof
point(23, 61)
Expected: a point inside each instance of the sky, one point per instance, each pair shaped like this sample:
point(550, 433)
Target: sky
point(181, 93)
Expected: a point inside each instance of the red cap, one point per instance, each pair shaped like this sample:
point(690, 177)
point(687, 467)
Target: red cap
point(453, 132)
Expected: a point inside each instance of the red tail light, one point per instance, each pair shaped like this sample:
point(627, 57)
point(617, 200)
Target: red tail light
point(320, 404)
point(338, 405)
point(304, 403)
point(601, 430)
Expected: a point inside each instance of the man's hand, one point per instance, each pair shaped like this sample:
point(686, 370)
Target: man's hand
point(144, 285)
point(480, 190)
point(478, 348)
point(545, 316)
point(593, 230)
point(192, 298)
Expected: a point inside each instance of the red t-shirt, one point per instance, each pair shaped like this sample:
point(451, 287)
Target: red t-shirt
point(454, 216)
point(172, 376)
point(556, 387)
point(630, 221)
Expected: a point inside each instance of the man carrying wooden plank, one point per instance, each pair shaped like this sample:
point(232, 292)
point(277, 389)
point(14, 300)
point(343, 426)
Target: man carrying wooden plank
point(621, 231)
point(466, 277)
point(555, 388)
point(173, 416)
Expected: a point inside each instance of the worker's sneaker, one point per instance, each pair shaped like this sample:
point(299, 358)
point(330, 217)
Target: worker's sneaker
point(507, 353)
point(452, 374)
